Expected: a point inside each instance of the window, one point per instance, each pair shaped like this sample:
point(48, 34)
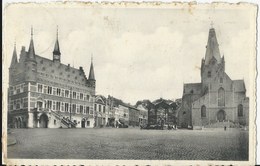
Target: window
point(58, 91)
point(221, 80)
point(18, 89)
point(87, 110)
point(58, 106)
point(73, 108)
point(88, 123)
point(66, 107)
point(99, 108)
point(74, 95)
point(22, 88)
point(95, 107)
point(203, 111)
point(49, 104)
point(209, 74)
point(40, 88)
point(240, 110)
point(18, 104)
point(104, 109)
point(49, 90)
point(81, 96)
point(54, 121)
point(81, 109)
point(66, 93)
point(87, 97)
point(77, 108)
point(221, 97)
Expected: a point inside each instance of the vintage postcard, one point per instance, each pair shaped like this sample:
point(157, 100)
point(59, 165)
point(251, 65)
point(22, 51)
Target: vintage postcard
point(129, 84)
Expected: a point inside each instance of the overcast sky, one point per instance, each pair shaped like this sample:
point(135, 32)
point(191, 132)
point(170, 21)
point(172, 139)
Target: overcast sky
point(139, 53)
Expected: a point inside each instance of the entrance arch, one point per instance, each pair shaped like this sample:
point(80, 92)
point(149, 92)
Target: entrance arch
point(221, 115)
point(43, 121)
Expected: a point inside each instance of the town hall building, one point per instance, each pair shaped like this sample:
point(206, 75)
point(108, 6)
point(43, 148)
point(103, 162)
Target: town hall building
point(45, 93)
point(217, 100)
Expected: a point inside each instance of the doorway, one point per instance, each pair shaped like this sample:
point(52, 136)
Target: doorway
point(221, 115)
point(43, 121)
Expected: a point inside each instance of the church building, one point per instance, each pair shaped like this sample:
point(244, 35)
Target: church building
point(217, 100)
point(45, 93)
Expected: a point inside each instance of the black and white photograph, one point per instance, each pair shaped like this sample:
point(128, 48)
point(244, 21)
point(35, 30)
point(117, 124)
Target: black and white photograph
point(125, 83)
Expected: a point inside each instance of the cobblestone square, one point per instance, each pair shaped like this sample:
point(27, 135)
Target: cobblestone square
point(131, 143)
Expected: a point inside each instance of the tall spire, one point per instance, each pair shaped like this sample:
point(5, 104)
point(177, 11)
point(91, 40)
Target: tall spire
point(14, 58)
point(91, 71)
point(212, 47)
point(56, 50)
point(31, 52)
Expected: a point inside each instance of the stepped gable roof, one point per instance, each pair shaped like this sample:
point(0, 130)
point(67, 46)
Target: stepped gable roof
point(192, 88)
point(239, 85)
point(63, 72)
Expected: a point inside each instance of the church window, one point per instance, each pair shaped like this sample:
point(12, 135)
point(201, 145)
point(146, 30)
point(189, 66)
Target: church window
point(49, 90)
point(203, 111)
point(240, 110)
point(221, 80)
point(209, 74)
point(221, 97)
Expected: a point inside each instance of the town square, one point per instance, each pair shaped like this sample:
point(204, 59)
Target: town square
point(130, 83)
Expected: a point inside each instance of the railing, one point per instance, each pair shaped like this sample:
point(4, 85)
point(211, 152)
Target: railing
point(63, 120)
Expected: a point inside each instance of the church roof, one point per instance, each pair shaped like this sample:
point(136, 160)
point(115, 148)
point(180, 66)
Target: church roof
point(212, 49)
point(239, 85)
point(14, 58)
point(192, 88)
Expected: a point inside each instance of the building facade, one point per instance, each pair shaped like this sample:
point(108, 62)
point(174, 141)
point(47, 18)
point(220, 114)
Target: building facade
point(48, 94)
point(216, 100)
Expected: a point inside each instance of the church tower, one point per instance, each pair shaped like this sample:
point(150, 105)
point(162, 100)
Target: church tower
point(212, 62)
point(91, 77)
point(56, 51)
point(30, 62)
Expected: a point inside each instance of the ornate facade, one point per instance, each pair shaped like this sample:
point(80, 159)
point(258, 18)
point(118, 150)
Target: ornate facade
point(216, 100)
point(46, 93)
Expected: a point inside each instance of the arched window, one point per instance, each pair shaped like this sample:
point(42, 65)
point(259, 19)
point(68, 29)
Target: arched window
point(221, 97)
point(203, 111)
point(240, 110)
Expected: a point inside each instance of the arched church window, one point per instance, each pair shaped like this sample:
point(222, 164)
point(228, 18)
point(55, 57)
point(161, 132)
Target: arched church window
point(209, 74)
point(221, 97)
point(203, 111)
point(240, 110)
point(221, 80)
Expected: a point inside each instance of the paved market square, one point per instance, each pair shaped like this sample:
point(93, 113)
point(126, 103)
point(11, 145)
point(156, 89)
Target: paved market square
point(131, 143)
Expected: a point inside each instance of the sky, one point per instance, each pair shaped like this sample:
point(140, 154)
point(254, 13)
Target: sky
point(138, 53)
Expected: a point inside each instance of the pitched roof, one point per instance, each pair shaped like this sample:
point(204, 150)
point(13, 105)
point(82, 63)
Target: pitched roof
point(91, 72)
point(192, 88)
point(239, 86)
